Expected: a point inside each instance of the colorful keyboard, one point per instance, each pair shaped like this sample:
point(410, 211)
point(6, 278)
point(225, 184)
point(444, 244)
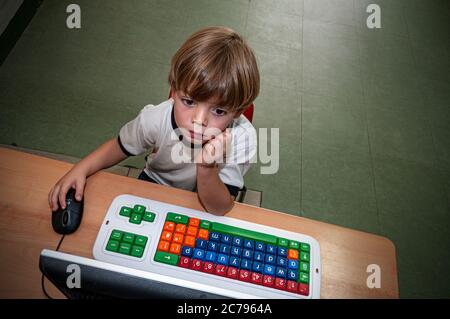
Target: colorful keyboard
point(205, 251)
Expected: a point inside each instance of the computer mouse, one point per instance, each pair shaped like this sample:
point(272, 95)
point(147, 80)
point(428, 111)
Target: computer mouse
point(66, 221)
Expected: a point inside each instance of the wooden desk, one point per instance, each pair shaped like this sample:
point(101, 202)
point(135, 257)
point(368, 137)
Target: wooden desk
point(25, 229)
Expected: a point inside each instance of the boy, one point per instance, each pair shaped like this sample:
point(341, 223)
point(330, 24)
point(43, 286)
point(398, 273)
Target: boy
point(201, 141)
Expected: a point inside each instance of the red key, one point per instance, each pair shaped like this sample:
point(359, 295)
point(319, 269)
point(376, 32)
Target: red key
point(280, 283)
point(221, 270)
point(208, 267)
point(256, 278)
point(232, 273)
point(291, 286)
point(303, 289)
point(184, 262)
point(244, 275)
point(196, 264)
point(268, 281)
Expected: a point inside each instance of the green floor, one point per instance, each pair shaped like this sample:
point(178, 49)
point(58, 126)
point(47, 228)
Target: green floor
point(363, 114)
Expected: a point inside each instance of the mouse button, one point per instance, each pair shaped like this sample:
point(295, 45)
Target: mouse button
point(65, 217)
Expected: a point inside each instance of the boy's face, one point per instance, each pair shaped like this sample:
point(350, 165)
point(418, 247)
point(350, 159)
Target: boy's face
point(200, 120)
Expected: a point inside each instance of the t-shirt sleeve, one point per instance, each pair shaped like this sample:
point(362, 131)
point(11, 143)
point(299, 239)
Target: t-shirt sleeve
point(138, 135)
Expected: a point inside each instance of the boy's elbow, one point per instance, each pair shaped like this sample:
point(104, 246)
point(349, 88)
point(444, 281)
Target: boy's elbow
point(219, 210)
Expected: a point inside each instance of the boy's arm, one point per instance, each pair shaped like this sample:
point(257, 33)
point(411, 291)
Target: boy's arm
point(212, 192)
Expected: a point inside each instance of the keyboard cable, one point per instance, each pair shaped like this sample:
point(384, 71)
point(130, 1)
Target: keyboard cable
point(42, 278)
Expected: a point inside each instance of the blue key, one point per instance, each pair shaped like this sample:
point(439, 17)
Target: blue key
point(235, 251)
point(249, 244)
point(271, 249)
point(213, 246)
point(186, 251)
point(247, 253)
point(269, 270)
point(237, 241)
point(235, 262)
point(199, 253)
point(292, 275)
point(246, 264)
point(258, 256)
point(258, 267)
point(222, 259)
point(210, 256)
point(200, 243)
point(226, 239)
point(282, 262)
point(260, 246)
point(270, 259)
point(292, 264)
point(281, 272)
point(282, 251)
point(214, 236)
point(224, 249)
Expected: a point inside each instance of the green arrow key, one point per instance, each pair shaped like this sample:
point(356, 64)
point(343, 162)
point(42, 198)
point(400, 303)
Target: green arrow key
point(177, 218)
point(166, 258)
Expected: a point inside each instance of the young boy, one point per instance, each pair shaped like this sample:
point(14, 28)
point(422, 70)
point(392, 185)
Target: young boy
point(200, 139)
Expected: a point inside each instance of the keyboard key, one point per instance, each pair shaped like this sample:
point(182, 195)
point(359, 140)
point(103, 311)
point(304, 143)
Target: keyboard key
point(213, 236)
point(163, 245)
point(169, 226)
point(256, 278)
point(175, 248)
point(237, 241)
point(149, 217)
point(268, 281)
point(294, 245)
point(292, 275)
point(304, 266)
point(194, 222)
point(280, 283)
point(260, 247)
point(222, 259)
point(232, 273)
point(113, 245)
point(247, 253)
point(187, 251)
point(199, 254)
point(271, 249)
point(244, 275)
point(246, 264)
point(234, 261)
point(293, 254)
point(224, 249)
point(292, 264)
point(291, 286)
point(304, 247)
point(137, 251)
point(257, 267)
point(184, 262)
point(208, 267)
point(270, 259)
point(203, 234)
point(205, 224)
point(125, 211)
point(128, 238)
point(282, 251)
point(167, 236)
point(280, 272)
point(166, 258)
point(283, 242)
point(191, 231)
point(221, 270)
point(249, 244)
point(189, 241)
point(304, 277)
point(226, 239)
point(269, 270)
point(180, 228)
point(282, 262)
point(213, 246)
point(140, 240)
point(236, 251)
point(196, 265)
point(178, 238)
point(177, 218)
point(303, 289)
point(139, 209)
point(200, 243)
point(240, 232)
point(116, 235)
point(304, 256)
point(258, 256)
point(210, 256)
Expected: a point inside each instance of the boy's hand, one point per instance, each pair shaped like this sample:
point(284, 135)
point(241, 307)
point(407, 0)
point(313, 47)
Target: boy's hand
point(215, 150)
point(75, 178)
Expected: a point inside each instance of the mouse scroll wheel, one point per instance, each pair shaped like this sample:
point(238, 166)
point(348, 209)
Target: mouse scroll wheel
point(65, 217)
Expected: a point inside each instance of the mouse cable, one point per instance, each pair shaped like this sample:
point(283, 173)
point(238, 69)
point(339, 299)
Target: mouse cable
point(42, 278)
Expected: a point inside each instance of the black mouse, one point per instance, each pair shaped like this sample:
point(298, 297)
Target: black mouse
point(66, 221)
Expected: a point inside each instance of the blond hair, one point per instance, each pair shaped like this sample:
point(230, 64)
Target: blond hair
point(216, 63)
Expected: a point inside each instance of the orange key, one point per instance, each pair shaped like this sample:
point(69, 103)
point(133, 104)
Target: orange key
point(178, 238)
point(175, 248)
point(166, 235)
point(192, 231)
point(163, 245)
point(194, 222)
point(169, 226)
point(189, 241)
point(293, 254)
point(181, 228)
point(203, 234)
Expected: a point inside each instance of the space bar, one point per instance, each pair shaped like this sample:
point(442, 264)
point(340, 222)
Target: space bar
point(248, 234)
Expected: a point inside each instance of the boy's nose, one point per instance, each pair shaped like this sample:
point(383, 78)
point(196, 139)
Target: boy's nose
point(200, 118)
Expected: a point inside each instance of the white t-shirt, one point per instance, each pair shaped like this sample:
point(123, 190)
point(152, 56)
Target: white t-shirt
point(156, 126)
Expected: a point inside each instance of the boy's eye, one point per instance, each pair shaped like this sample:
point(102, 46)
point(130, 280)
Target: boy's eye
point(187, 102)
point(219, 112)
